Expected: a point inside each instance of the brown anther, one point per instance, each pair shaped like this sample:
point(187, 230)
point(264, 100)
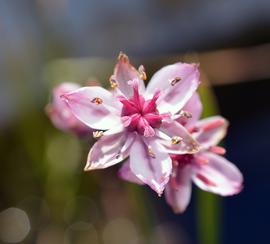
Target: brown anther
point(97, 100)
point(117, 156)
point(123, 57)
point(98, 134)
point(113, 82)
point(186, 114)
point(150, 152)
point(176, 140)
point(174, 81)
point(142, 73)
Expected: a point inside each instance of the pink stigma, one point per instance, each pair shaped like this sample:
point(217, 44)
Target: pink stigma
point(139, 114)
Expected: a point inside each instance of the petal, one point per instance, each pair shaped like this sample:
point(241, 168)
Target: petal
point(150, 163)
point(109, 150)
point(124, 72)
point(218, 175)
point(178, 196)
point(194, 107)
point(211, 130)
point(174, 97)
point(61, 115)
point(170, 131)
point(94, 106)
point(126, 174)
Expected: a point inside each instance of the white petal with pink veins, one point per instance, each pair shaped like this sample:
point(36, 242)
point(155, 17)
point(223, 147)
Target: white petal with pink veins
point(178, 190)
point(218, 175)
point(109, 150)
point(126, 174)
point(150, 163)
point(176, 139)
point(94, 106)
point(211, 131)
point(177, 83)
point(124, 72)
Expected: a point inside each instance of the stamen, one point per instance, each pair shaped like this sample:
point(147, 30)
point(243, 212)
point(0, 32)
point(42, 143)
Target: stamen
point(193, 147)
point(117, 156)
point(176, 140)
point(142, 73)
point(217, 150)
point(150, 152)
point(114, 84)
point(97, 100)
point(185, 114)
point(123, 57)
point(174, 81)
point(98, 134)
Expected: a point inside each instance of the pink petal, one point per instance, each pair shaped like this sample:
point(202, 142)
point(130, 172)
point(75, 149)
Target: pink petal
point(109, 150)
point(174, 97)
point(194, 107)
point(126, 174)
point(211, 131)
point(61, 115)
point(94, 106)
point(178, 193)
point(125, 72)
point(173, 130)
point(150, 163)
point(218, 175)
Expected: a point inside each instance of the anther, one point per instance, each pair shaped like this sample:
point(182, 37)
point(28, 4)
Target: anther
point(113, 82)
point(123, 57)
point(176, 140)
point(150, 152)
point(174, 81)
point(98, 134)
point(193, 147)
point(185, 114)
point(97, 100)
point(142, 73)
point(117, 156)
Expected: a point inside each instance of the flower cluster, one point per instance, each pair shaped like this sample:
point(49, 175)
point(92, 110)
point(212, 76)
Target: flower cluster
point(155, 130)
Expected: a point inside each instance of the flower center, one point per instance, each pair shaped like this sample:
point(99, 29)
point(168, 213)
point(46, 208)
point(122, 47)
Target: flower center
point(139, 114)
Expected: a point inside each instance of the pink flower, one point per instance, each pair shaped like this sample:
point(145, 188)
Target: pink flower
point(138, 122)
point(207, 168)
point(60, 114)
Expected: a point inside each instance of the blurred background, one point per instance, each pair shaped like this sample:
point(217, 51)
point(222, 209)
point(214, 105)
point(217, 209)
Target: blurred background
point(45, 197)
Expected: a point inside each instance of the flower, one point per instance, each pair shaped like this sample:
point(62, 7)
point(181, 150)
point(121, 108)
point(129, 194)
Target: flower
point(206, 168)
point(138, 122)
point(60, 114)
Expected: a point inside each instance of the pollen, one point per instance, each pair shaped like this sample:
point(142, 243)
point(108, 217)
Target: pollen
point(185, 114)
point(150, 152)
point(113, 82)
point(98, 134)
point(97, 100)
point(174, 81)
point(123, 57)
point(142, 73)
point(176, 140)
